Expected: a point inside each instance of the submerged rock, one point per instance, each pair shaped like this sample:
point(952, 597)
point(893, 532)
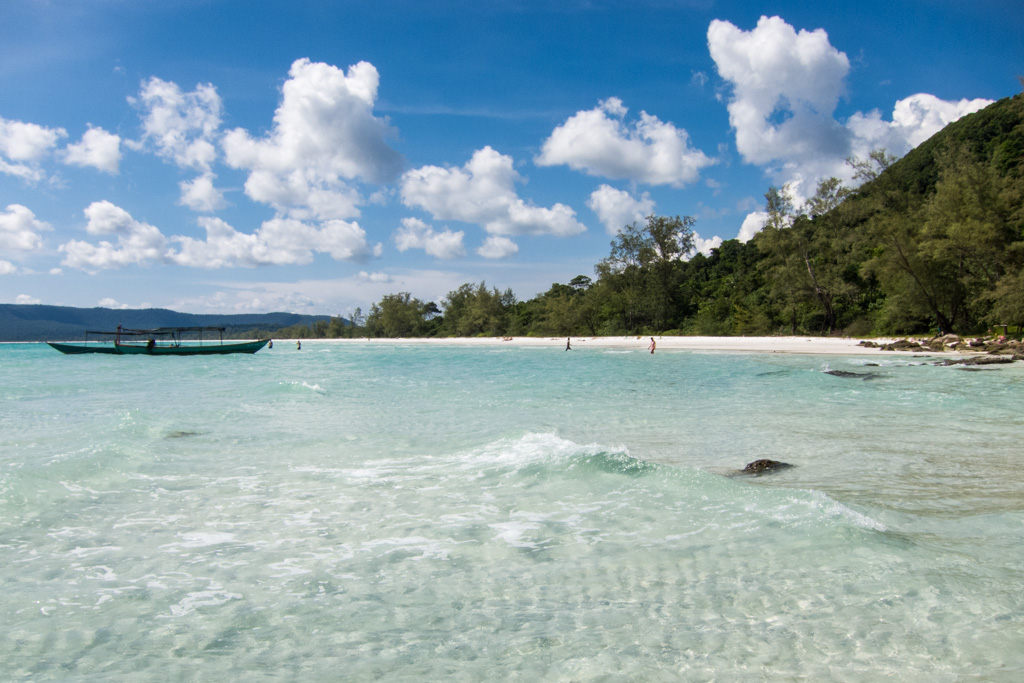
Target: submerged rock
point(181, 434)
point(852, 375)
point(765, 465)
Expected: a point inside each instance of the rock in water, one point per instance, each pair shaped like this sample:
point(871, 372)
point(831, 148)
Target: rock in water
point(762, 466)
point(852, 375)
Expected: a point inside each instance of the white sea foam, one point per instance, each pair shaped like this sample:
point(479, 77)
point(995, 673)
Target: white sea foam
point(200, 539)
point(533, 448)
point(200, 599)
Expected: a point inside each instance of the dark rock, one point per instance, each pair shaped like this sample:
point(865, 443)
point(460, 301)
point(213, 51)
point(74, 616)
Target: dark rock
point(979, 360)
point(763, 466)
point(181, 434)
point(852, 375)
point(904, 345)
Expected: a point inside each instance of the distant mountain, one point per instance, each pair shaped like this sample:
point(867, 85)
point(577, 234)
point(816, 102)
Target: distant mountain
point(41, 323)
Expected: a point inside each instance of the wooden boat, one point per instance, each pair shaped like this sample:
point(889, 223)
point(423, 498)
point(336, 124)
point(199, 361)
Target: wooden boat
point(161, 341)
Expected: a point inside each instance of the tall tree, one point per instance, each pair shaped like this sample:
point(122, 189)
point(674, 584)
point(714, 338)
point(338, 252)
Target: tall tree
point(643, 269)
point(397, 315)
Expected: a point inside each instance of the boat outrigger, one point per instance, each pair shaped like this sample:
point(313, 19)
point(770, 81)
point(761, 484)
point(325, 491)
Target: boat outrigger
point(161, 341)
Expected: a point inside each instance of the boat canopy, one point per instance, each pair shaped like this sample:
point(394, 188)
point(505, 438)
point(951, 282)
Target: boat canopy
point(169, 330)
point(157, 331)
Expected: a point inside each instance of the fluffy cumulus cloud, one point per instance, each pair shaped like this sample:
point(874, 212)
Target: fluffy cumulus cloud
point(483, 192)
point(752, 225)
point(200, 194)
point(182, 128)
point(495, 247)
point(786, 86)
point(778, 73)
point(280, 241)
point(97, 149)
point(704, 246)
point(617, 208)
point(19, 229)
point(415, 234)
point(599, 142)
point(324, 138)
point(914, 120)
point(137, 243)
point(23, 146)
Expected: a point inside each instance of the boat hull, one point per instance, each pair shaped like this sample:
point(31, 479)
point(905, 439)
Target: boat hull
point(161, 350)
point(192, 349)
point(84, 347)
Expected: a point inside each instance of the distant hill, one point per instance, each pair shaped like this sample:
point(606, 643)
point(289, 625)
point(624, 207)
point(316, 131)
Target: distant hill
point(42, 323)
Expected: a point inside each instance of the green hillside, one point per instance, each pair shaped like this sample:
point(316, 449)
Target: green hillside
point(41, 323)
point(931, 242)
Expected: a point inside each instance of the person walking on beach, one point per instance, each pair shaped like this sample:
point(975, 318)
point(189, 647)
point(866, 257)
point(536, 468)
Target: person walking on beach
point(568, 346)
point(652, 346)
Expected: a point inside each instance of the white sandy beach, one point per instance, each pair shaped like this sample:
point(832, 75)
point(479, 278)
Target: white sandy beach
point(804, 345)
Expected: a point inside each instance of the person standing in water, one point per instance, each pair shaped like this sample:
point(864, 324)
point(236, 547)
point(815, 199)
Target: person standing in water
point(298, 346)
point(652, 346)
point(568, 346)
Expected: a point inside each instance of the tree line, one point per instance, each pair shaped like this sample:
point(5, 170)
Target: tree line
point(930, 243)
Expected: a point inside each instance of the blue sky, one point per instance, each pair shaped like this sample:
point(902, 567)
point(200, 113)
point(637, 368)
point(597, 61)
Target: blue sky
point(251, 156)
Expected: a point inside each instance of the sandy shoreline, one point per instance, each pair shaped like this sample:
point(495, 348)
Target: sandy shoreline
point(802, 345)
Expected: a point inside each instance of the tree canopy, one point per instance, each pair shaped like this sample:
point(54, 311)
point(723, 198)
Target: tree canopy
point(930, 242)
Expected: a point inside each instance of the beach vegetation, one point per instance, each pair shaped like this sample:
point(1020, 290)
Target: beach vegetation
point(932, 242)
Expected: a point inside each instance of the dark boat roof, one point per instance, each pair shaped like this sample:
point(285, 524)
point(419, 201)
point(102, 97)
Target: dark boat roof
point(159, 330)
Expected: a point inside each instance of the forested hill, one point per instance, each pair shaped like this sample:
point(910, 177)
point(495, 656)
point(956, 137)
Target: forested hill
point(927, 243)
point(41, 323)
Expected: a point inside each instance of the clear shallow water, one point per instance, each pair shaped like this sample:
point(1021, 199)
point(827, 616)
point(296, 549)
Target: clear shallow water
point(420, 513)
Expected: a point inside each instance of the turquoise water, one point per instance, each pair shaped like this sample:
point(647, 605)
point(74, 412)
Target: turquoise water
point(411, 513)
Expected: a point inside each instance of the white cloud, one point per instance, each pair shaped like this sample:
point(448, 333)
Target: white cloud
point(109, 302)
point(752, 225)
point(704, 246)
point(138, 243)
point(23, 145)
point(482, 192)
point(97, 149)
point(181, 126)
point(200, 194)
point(776, 71)
point(324, 137)
point(19, 229)
point(373, 277)
point(25, 299)
point(254, 298)
point(786, 86)
point(599, 143)
point(914, 120)
point(7, 268)
point(415, 234)
point(617, 208)
point(280, 241)
point(495, 247)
